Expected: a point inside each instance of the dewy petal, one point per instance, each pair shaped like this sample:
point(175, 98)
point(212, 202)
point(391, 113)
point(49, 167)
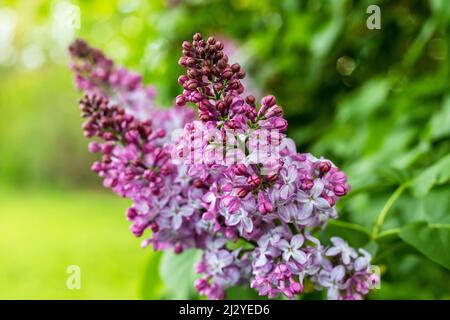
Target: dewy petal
point(297, 241)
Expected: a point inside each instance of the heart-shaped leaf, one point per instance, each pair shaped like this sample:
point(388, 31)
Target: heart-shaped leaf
point(433, 240)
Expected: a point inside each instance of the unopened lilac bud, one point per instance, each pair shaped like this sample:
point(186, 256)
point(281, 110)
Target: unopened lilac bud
point(182, 79)
point(254, 180)
point(192, 84)
point(186, 45)
point(324, 166)
point(107, 148)
point(227, 73)
point(182, 62)
point(131, 213)
point(160, 133)
point(94, 147)
point(96, 167)
point(340, 190)
point(211, 40)
point(296, 287)
point(197, 36)
point(180, 100)
point(178, 248)
point(241, 74)
point(274, 111)
point(154, 226)
point(242, 192)
point(250, 100)
point(241, 170)
point(200, 284)
point(268, 101)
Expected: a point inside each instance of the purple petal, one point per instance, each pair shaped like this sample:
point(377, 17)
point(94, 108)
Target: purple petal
point(297, 241)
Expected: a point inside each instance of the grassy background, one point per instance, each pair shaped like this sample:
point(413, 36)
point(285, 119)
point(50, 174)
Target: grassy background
point(44, 232)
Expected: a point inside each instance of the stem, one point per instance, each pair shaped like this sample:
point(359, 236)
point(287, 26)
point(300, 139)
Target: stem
point(387, 233)
point(383, 213)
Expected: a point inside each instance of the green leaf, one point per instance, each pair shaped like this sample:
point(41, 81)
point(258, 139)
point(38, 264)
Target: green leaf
point(439, 125)
point(177, 272)
point(365, 101)
point(433, 240)
point(152, 285)
point(243, 293)
point(437, 174)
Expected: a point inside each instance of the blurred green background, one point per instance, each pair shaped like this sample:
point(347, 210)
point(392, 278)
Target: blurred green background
point(376, 102)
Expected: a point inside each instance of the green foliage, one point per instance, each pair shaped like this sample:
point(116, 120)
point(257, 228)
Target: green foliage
point(430, 239)
point(177, 272)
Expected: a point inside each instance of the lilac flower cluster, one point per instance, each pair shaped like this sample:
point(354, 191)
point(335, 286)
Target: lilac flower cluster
point(230, 183)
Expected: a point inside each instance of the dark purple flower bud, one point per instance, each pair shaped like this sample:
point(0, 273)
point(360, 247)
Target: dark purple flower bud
point(227, 73)
point(324, 166)
point(182, 79)
point(200, 285)
point(186, 45)
point(192, 84)
point(154, 226)
point(340, 190)
point(242, 192)
point(182, 62)
point(178, 248)
point(274, 111)
point(250, 100)
point(107, 148)
point(296, 287)
point(96, 167)
point(254, 180)
point(180, 100)
point(131, 213)
point(94, 147)
point(197, 36)
point(241, 170)
point(264, 205)
point(211, 40)
point(268, 101)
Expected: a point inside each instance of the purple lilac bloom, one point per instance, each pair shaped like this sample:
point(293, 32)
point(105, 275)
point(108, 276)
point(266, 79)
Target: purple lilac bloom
point(231, 178)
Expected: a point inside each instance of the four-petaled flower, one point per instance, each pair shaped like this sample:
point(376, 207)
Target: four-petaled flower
point(292, 249)
point(341, 247)
point(313, 200)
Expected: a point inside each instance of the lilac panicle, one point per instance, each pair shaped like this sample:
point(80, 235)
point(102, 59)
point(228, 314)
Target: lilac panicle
point(231, 184)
